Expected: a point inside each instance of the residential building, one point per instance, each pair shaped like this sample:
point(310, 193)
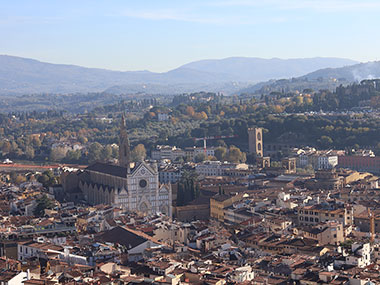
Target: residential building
point(318, 159)
point(163, 152)
point(360, 163)
point(169, 174)
point(219, 202)
point(324, 212)
point(326, 233)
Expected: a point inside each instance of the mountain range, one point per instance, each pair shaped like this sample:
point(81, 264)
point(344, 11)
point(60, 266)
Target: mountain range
point(326, 78)
point(25, 76)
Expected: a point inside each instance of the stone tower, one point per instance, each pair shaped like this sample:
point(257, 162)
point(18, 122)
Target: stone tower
point(124, 149)
point(255, 141)
point(290, 164)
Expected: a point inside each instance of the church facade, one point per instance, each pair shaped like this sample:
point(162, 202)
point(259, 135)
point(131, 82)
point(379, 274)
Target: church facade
point(132, 187)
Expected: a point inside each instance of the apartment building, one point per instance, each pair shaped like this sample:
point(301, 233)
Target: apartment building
point(325, 212)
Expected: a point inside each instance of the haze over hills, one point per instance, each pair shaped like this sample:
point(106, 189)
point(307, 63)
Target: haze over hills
point(22, 75)
point(250, 69)
point(327, 78)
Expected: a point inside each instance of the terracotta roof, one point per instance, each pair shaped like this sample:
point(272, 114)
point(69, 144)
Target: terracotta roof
point(122, 236)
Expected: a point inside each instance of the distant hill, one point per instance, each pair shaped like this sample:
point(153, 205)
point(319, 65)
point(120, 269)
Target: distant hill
point(356, 72)
point(24, 76)
point(327, 78)
point(259, 69)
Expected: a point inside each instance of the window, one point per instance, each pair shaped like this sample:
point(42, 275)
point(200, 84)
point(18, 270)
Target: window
point(316, 220)
point(311, 220)
point(334, 235)
point(306, 212)
point(306, 219)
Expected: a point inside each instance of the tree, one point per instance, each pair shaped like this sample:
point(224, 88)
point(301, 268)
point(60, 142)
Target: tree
point(56, 154)
point(325, 141)
point(275, 164)
point(106, 153)
point(190, 111)
point(94, 152)
point(20, 179)
point(221, 143)
point(235, 155)
point(29, 152)
point(42, 203)
point(220, 153)
point(180, 195)
point(36, 141)
point(14, 146)
point(73, 156)
point(188, 188)
point(12, 176)
point(163, 135)
point(7, 147)
point(203, 116)
point(43, 179)
point(47, 178)
point(82, 139)
point(138, 153)
point(200, 157)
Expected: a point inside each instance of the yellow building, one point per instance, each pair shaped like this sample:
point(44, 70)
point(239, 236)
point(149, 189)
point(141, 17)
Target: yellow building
point(221, 201)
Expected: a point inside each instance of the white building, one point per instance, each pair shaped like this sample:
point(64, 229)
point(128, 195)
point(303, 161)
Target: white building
point(324, 161)
point(210, 151)
point(318, 159)
point(242, 274)
point(217, 168)
point(13, 278)
point(169, 174)
point(209, 168)
point(361, 255)
point(167, 152)
point(26, 250)
point(30, 249)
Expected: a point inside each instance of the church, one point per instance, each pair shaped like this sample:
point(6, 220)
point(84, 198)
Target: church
point(131, 186)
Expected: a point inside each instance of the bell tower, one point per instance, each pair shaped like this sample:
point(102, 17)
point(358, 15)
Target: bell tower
point(255, 141)
point(124, 149)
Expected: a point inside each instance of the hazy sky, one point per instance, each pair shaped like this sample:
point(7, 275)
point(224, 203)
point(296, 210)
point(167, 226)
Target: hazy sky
point(160, 35)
